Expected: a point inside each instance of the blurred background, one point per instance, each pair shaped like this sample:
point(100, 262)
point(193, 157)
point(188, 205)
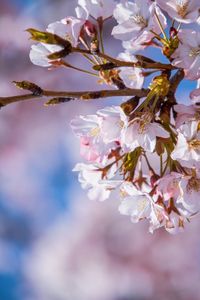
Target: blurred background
point(55, 244)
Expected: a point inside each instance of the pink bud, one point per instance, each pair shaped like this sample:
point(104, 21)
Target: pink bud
point(173, 32)
point(90, 29)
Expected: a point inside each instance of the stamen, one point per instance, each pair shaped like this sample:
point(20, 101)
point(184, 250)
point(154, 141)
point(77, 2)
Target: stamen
point(182, 8)
point(141, 204)
point(193, 185)
point(143, 121)
point(140, 20)
point(194, 52)
point(95, 131)
point(194, 144)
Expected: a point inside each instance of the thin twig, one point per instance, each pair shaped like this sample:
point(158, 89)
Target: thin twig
point(120, 63)
point(82, 95)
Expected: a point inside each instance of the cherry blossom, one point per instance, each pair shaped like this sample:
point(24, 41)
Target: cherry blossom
point(168, 186)
point(142, 132)
point(195, 95)
point(95, 8)
point(146, 147)
point(187, 56)
point(135, 203)
point(90, 177)
point(187, 149)
point(132, 77)
point(87, 128)
point(136, 20)
point(185, 11)
point(189, 196)
point(111, 123)
point(68, 28)
point(186, 113)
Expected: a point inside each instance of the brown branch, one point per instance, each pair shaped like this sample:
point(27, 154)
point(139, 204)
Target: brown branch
point(82, 95)
point(142, 62)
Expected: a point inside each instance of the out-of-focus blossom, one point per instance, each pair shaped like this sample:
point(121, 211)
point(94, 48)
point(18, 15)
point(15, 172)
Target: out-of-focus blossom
point(114, 256)
point(185, 11)
point(187, 56)
point(136, 20)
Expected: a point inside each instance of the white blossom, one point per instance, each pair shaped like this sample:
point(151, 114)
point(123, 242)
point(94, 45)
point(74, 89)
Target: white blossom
point(189, 196)
point(111, 123)
point(185, 11)
point(135, 203)
point(187, 56)
point(187, 149)
point(141, 132)
point(90, 177)
point(95, 8)
point(68, 28)
point(195, 95)
point(136, 20)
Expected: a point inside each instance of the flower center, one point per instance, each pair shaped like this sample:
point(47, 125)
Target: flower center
point(120, 124)
point(193, 185)
point(194, 144)
point(194, 52)
point(140, 20)
point(143, 121)
point(141, 204)
point(197, 117)
point(182, 8)
point(95, 131)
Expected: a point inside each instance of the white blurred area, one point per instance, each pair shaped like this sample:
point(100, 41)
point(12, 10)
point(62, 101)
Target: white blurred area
point(98, 254)
point(77, 249)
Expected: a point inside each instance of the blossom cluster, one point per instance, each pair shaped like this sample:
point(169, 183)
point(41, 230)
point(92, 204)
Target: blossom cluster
point(147, 150)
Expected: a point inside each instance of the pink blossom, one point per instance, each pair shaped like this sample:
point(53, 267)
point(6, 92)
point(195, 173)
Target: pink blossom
point(142, 132)
point(95, 8)
point(189, 196)
point(68, 28)
point(195, 95)
point(187, 56)
point(136, 20)
point(185, 11)
point(168, 186)
point(186, 113)
point(91, 178)
point(187, 149)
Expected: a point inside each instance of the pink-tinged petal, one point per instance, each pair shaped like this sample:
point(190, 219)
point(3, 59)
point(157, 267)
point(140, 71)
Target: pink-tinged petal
point(158, 130)
point(182, 11)
point(87, 150)
point(195, 95)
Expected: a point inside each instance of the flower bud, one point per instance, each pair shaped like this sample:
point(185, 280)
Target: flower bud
point(90, 29)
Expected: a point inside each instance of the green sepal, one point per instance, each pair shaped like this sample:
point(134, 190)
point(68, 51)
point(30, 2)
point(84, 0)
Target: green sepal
point(48, 38)
point(27, 85)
